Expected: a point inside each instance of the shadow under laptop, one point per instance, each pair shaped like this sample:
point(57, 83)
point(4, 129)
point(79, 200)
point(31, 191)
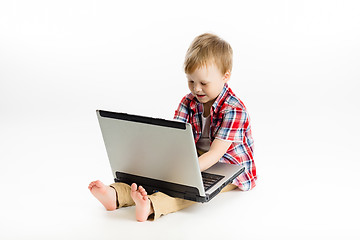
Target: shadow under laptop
point(232, 197)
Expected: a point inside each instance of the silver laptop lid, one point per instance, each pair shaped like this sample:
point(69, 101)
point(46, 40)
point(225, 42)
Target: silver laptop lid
point(152, 148)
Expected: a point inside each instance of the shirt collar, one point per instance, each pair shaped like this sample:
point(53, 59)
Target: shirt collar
point(221, 98)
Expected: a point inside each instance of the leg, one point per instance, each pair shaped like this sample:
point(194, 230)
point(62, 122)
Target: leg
point(123, 194)
point(112, 197)
point(229, 188)
point(105, 194)
point(157, 203)
point(164, 204)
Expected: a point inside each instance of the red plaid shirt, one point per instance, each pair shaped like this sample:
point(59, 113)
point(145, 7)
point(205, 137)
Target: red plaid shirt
point(229, 122)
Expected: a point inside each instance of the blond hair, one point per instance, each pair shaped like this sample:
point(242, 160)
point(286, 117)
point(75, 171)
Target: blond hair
point(208, 49)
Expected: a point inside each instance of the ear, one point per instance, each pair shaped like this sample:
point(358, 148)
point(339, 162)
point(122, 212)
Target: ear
point(227, 76)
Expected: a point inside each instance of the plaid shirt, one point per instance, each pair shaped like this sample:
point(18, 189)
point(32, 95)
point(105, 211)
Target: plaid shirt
point(229, 122)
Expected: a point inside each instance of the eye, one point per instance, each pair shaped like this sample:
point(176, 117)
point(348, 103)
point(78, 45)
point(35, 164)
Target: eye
point(191, 82)
point(203, 84)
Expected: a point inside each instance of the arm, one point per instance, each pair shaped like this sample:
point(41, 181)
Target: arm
point(217, 150)
point(231, 130)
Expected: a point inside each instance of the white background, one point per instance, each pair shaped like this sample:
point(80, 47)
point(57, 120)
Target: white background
point(296, 67)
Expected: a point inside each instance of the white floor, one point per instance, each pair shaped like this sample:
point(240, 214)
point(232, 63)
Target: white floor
point(296, 67)
point(45, 170)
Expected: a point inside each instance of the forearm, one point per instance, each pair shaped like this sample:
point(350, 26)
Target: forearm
point(208, 159)
point(217, 150)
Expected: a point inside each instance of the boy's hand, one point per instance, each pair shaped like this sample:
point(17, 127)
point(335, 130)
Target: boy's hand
point(217, 150)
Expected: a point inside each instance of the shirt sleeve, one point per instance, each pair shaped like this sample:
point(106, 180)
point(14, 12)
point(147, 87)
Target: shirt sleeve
point(233, 126)
point(245, 181)
point(182, 112)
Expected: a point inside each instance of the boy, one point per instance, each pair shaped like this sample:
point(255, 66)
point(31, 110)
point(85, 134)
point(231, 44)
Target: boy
point(220, 124)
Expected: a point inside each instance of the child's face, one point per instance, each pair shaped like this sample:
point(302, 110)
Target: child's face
point(206, 83)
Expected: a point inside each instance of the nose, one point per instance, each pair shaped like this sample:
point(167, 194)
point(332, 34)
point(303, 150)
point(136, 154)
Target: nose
point(197, 88)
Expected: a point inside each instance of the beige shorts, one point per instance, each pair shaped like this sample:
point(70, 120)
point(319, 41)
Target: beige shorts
point(161, 203)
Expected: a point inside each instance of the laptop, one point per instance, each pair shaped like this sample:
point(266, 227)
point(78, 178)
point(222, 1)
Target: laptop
point(160, 155)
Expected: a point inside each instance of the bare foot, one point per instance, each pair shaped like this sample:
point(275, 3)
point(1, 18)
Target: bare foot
point(105, 194)
point(142, 202)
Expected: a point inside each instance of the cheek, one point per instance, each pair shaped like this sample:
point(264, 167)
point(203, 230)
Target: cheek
point(214, 92)
point(207, 90)
point(191, 88)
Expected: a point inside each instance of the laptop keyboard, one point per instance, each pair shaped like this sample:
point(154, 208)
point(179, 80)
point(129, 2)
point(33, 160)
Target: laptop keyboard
point(210, 179)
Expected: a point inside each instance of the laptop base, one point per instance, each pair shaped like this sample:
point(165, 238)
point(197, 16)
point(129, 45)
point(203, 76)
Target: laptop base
point(171, 189)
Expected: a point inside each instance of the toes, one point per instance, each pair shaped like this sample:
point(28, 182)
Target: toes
point(96, 183)
point(142, 191)
point(91, 185)
point(133, 187)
